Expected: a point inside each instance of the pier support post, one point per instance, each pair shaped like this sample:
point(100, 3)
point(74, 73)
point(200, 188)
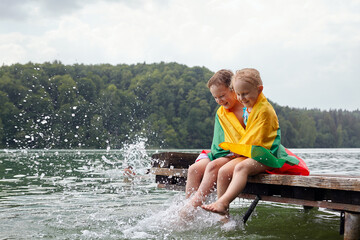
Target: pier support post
point(251, 208)
point(352, 226)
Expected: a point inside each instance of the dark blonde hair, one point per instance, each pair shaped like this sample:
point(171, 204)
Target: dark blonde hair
point(221, 77)
point(249, 75)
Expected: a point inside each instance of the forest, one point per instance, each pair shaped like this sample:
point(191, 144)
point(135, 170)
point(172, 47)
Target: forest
point(57, 106)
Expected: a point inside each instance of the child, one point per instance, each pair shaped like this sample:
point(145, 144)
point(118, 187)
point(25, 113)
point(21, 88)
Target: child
point(229, 126)
point(259, 147)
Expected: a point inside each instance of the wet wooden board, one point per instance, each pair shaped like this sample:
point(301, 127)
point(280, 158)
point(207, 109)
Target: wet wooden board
point(348, 183)
point(307, 203)
point(329, 191)
point(173, 159)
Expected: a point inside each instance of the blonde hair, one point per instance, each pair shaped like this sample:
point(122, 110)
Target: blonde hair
point(221, 77)
point(249, 75)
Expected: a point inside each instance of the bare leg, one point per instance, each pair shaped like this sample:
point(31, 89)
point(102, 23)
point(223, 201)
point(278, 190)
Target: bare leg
point(225, 175)
point(242, 170)
point(194, 176)
point(208, 182)
point(207, 185)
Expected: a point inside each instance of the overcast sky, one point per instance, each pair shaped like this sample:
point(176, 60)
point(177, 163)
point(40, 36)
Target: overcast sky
point(307, 51)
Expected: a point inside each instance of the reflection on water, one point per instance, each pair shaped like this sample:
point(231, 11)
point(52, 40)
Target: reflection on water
point(72, 194)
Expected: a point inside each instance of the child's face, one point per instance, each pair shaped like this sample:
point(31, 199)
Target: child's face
point(223, 96)
point(246, 93)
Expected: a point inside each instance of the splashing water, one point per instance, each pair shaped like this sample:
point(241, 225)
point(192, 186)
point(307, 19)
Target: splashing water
point(136, 156)
point(167, 224)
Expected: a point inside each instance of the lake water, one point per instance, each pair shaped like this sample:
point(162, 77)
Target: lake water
point(83, 194)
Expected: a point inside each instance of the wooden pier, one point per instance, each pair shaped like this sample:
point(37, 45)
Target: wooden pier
point(341, 193)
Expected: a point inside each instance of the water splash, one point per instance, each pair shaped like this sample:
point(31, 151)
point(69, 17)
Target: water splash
point(168, 222)
point(136, 156)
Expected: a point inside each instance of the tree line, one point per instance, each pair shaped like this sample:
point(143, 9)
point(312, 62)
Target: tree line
point(52, 105)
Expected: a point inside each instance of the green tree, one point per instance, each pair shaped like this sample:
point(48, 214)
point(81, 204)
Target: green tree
point(1, 134)
point(8, 115)
point(306, 132)
point(54, 105)
point(67, 90)
point(87, 89)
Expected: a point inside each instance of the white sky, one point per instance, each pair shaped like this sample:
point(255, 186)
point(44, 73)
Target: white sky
point(307, 51)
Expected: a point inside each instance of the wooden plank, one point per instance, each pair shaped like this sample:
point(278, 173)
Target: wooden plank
point(351, 183)
point(315, 181)
point(320, 192)
point(322, 204)
point(171, 187)
point(175, 159)
point(279, 199)
point(169, 172)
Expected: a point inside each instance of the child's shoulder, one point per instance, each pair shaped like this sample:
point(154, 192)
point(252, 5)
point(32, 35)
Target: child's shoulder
point(266, 110)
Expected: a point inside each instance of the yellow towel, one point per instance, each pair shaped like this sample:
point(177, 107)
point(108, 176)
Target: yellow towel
point(261, 139)
point(227, 128)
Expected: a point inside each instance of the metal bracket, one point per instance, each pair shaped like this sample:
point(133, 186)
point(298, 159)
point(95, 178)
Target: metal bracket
point(251, 208)
point(342, 222)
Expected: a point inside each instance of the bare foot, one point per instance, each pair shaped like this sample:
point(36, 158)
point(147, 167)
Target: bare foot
point(225, 219)
point(195, 202)
point(187, 213)
point(217, 207)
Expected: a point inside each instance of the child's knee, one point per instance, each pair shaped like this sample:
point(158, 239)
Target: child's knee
point(193, 169)
point(212, 167)
point(240, 167)
point(223, 173)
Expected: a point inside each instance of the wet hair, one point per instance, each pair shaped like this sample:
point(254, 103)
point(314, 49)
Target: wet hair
point(221, 77)
point(249, 75)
